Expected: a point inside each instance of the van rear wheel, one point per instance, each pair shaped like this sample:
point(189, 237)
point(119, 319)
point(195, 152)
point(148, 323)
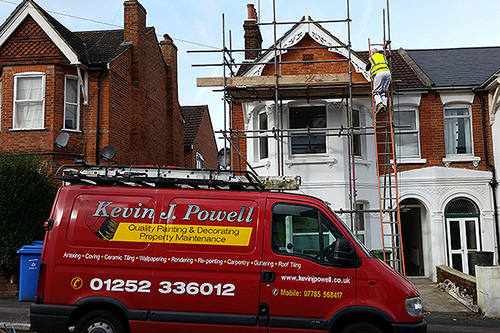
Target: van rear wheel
point(99, 321)
point(361, 327)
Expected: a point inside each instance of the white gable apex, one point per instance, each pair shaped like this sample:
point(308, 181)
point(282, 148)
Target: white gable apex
point(320, 36)
point(20, 15)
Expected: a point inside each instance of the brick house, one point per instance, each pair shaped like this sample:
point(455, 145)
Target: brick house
point(443, 140)
point(198, 138)
point(111, 87)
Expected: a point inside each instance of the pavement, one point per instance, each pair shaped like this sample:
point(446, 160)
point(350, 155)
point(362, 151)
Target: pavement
point(435, 300)
point(15, 314)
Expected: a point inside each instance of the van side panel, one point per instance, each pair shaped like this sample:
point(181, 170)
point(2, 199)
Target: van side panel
point(85, 258)
point(182, 256)
point(211, 251)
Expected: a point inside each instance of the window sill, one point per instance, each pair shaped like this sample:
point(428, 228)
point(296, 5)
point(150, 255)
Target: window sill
point(460, 159)
point(264, 163)
point(71, 130)
point(411, 160)
point(318, 160)
point(362, 161)
point(26, 129)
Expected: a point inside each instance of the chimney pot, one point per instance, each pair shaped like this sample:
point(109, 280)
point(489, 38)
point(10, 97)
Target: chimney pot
point(252, 13)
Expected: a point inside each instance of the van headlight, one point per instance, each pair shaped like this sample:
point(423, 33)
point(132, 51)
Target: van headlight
point(414, 306)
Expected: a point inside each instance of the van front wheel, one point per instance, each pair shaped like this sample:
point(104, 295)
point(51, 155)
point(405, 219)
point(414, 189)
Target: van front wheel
point(361, 327)
point(99, 321)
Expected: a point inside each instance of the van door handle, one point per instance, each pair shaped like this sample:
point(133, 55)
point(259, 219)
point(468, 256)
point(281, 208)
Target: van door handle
point(267, 276)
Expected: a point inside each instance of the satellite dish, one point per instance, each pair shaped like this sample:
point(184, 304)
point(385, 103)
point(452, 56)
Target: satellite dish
point(62, 140)
point(108, 153)
point(223, 158)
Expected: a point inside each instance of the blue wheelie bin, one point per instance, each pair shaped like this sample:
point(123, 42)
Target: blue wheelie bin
point(28, 275)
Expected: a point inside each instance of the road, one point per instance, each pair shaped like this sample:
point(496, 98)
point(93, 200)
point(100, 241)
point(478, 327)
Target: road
point(461, 322)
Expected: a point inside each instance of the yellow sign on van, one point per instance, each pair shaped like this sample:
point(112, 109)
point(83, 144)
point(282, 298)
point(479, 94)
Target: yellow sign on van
point(182, 234)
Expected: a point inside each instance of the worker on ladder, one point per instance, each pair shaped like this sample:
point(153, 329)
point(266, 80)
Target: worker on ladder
point(381, 78)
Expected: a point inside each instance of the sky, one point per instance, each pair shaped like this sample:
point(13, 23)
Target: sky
point(197, 25)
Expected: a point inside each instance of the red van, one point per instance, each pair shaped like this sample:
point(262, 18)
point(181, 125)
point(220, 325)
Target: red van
point(146, 249)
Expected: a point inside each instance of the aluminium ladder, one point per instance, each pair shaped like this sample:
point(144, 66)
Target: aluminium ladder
point(390, 220)
point(163, 176)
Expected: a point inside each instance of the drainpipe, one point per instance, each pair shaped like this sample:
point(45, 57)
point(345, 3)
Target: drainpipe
point(493, 182)
point(98, 116)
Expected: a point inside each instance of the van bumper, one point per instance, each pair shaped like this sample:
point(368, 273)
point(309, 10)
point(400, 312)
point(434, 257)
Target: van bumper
point(50, 318)
point(420, 327)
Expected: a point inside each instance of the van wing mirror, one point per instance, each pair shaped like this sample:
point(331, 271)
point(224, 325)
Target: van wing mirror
point(343, 253)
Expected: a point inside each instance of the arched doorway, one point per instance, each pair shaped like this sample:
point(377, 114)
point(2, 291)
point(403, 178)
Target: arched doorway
point(462, 232)
point(411, 229)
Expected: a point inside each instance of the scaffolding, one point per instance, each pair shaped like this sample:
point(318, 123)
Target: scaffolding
point(240, 89)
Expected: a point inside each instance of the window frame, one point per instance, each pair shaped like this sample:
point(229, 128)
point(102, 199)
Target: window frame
point(357, 134)
point(469, 128)
point(324, 225)
point(302, 132)
point(77, 104)
point(400, 132)
point(199, 161)
point(359, 219)
point(263, 135)
point(16, 102)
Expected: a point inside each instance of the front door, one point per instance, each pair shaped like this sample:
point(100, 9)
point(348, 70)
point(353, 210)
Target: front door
point(463, 242)
point(301, 286)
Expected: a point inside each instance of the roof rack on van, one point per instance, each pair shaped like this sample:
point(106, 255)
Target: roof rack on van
point(159, 176)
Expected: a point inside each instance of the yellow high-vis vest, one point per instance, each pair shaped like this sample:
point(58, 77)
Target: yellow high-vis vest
point(378, 64)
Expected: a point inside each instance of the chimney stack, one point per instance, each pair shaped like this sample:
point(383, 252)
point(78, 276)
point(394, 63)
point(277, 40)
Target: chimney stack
point(169, 53)
point(253, 37)
point(135, 32)
point(134, 21)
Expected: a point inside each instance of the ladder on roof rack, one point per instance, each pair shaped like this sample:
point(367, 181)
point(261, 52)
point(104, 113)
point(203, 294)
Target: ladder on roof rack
point(157, 176)
point(390, 219)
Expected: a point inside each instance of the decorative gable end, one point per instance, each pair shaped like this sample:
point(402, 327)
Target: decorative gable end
point(296, 35)
point(29, 43)
point(21, 16)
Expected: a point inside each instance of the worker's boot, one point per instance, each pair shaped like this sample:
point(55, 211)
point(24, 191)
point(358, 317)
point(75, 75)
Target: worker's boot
point(380, 107)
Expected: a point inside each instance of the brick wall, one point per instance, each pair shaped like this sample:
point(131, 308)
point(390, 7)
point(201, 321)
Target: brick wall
point(7, 288)
point(432, 140)
point(175, 123)
point(40, 141)
point(311, 55)
point(238, 122)
point(205, 144)
point(461, 280)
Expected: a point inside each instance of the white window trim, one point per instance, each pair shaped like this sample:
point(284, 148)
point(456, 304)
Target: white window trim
point(14, 116)
point(261, 135)
point(363, 206)
point(361, 133)
point(77, 129)
point(417, 158)
point(458, 158)
point(199, 160)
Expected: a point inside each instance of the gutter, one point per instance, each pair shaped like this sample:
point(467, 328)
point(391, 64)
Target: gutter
point(493, 182)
